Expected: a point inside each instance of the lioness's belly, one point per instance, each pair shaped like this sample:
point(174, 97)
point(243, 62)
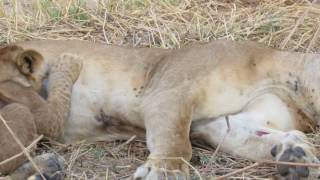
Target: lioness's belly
point(98, 91)
point(111, 92)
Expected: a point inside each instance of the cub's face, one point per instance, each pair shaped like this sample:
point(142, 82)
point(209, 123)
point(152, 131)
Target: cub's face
point(25, 67)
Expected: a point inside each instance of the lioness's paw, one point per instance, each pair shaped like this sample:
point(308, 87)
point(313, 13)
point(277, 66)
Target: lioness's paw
point(162, 170)
point(297, 152)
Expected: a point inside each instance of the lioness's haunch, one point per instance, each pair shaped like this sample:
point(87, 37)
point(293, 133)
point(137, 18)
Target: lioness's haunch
point(28, 114)
point(270, 96)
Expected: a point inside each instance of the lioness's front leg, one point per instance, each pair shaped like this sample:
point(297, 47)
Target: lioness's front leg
point(167, 120)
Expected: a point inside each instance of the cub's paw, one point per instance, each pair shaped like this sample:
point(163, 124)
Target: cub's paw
point(51, 165)
point(162, 170)
point(68, 63)
point(297, 152)
point(45, 176)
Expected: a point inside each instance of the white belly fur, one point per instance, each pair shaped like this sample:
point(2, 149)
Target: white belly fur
point(96, 90)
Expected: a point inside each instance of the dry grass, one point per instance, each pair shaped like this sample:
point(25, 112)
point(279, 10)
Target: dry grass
point(290, 24)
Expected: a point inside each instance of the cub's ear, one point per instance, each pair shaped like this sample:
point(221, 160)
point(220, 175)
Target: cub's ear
point(28, 61)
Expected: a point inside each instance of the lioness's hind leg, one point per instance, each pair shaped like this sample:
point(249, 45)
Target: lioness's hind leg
point(294, 148)
point(262, 131)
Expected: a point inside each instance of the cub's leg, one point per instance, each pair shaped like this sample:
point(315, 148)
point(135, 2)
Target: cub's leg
point(21, 121)
point(50, 115)
point(264, 130)
point(167, 122)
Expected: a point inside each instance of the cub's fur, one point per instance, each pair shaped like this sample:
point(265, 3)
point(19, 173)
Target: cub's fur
point(26, 113)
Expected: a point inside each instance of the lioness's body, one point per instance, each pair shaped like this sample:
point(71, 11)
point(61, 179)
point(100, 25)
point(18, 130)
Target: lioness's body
point(162, 90)
point(221, 76)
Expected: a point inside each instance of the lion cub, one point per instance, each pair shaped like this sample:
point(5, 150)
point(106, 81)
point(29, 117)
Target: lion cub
point(27, 113)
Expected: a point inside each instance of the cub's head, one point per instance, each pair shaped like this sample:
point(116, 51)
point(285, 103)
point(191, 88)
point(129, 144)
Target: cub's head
point(25, 67)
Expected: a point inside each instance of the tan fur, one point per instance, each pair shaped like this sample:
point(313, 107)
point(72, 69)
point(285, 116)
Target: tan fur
point(165, 91)
point(22, 123)
point(28, 114)
point(21, 66)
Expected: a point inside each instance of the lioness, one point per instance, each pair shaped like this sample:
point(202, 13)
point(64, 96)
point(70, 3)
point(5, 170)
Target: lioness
point(270, 97)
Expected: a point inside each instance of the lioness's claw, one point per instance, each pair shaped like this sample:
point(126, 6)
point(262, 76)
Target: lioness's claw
point(146, 172)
